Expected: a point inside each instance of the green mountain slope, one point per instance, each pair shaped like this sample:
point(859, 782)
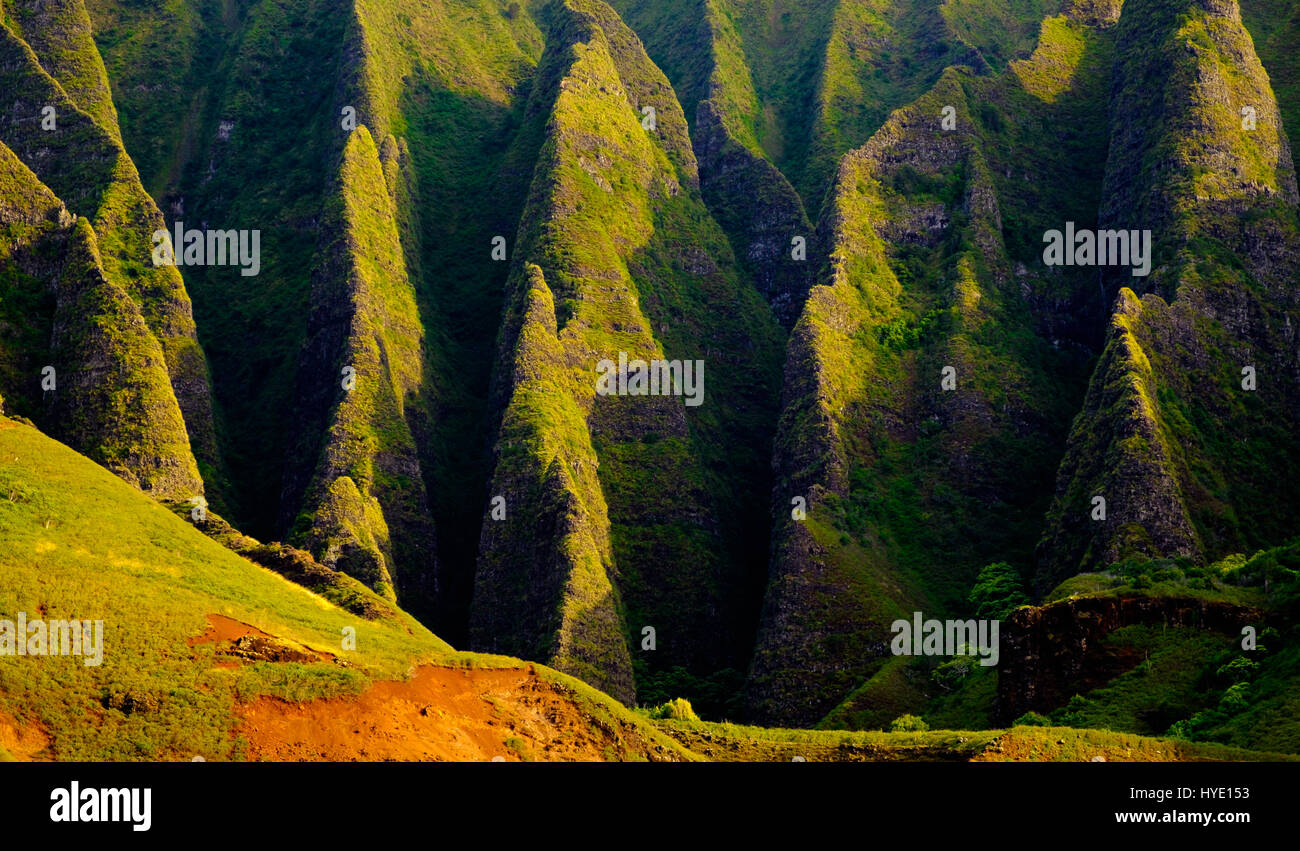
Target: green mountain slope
point(83, 163)
point(465, 206)
point(364, 510)
point(76, 543)
point(1192, 457)
point(634, 512)
point(928, 388)
point(60, 34)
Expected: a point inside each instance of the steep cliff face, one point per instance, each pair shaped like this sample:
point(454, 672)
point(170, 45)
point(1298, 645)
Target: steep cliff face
point(1275, 29)
point(363, 510)
point(546, 580)
point(627, 261)
point(115, 330)
point(931, 377)
point(467, 205)
point(1051, 653)
point(115, 401)
point(59, 33)
point(778, 91)
point(702, 51)
point(1184, 433)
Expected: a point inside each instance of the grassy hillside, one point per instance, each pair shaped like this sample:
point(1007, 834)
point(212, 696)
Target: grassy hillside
point(1019, 744)
point(163, 690)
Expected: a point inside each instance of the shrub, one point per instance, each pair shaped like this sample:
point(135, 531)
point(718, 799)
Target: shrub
point(908, 724)
point(678, 709)
point(997, 591)
point(1032, 719)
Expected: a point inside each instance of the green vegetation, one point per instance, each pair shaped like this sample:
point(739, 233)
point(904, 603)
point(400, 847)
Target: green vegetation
point(997, 592)
point(614, 203)
point(887, 420)
point(153, 580)
point(83, 163)
point(678, 709)
point(908, 724)
point(903, 301)
point(1021, 743)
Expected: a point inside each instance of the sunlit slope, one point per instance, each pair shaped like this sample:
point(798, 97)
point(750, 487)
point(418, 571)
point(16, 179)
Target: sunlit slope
point(78, 543)
point(931, 378)
point(76, 354)
point(628, 512)
point(1186, 429)
point(78, 155)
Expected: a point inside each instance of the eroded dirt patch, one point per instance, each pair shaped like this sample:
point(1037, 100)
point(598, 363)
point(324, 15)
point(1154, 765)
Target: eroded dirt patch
point(441, 714)
point(247, 643)
point(25, 742)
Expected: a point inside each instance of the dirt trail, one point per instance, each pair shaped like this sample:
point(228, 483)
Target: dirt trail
point(442, 714)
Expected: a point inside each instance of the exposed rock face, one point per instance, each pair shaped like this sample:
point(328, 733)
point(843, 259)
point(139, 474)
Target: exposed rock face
point(1051, 653)
point(77, 354)
point(761, 213)
point(904, 397)
point(59, 33)
point(545, 584)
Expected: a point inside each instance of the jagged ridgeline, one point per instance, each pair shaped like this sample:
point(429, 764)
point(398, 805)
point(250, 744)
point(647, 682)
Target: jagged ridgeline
point(931, 378)
point(465, 206)
point(365, 148)
point(100, 346)
point(382, 153)
point(630, 522)
point(1187, 431)
point(777, 91)
point(1175, 431)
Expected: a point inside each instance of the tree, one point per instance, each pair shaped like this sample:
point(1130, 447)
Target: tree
point(998, 590)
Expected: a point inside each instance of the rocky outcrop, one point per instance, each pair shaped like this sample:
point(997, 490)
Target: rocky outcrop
point(760, 211)
point(77, 354)
point(1051, 653)
point(59, 33)
point(919, 404)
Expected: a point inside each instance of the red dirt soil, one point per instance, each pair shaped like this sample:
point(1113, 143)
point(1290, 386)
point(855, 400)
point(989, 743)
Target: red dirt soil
point(221, 628)
point(247, 641)
point(23, 741)
point(442, 714)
